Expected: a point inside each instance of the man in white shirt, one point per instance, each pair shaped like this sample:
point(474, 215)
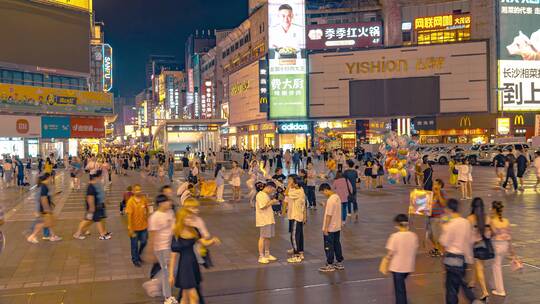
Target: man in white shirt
point(331, 230)
point(402, 247)
point(296, 213)
point(456, 239)
point(264, 220)
point(160, 226)
point(286, 34)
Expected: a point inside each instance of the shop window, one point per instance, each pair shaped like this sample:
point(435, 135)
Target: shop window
point(28, 79)
point(7, 76)
point(17, 77)
point(38, 79)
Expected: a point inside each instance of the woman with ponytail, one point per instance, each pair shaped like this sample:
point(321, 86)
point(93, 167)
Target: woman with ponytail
point(502, 243)
point(480, 222)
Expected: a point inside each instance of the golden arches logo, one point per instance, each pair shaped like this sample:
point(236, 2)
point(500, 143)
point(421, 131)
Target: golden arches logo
point(465, 121)
point(519, 120)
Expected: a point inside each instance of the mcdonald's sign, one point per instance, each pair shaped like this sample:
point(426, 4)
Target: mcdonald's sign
point(263, 85)
point(465, 122)
point(519, 120)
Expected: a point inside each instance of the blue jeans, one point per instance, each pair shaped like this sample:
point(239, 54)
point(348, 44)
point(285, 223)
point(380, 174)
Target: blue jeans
point(310, 195)
point(400, 289)
point(345, 208)
point(164, 257)
point(138, 242)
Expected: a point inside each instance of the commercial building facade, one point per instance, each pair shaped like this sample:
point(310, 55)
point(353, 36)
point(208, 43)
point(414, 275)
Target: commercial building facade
point(46, 84)
point(443, 71)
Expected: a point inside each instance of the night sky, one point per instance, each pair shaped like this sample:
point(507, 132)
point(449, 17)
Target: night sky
point(137, 28)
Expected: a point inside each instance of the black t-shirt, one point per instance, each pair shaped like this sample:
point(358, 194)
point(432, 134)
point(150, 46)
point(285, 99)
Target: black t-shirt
point(185, 162)
point(44, 191)
point(499, 161)
point(521, 163)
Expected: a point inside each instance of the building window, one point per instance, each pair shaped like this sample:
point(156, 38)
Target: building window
point(38, 80)
point(28, 79)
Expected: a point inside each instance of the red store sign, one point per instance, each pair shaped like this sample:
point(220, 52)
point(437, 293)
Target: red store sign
point(82, 127)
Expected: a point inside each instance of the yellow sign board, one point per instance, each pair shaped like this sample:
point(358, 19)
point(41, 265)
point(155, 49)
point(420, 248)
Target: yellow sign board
point(503, 126)
point(80, 4)
point(448, 22)
point(54, 101)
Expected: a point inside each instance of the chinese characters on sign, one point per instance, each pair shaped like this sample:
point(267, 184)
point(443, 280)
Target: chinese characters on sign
point(329, 36)
point(443, 29)
point(448, 22)
point(263, 85)
point(207, 99)
point(519, 55)
point(287, 59)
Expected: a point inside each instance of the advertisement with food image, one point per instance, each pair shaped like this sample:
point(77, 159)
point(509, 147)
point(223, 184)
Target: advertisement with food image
point(287, 59)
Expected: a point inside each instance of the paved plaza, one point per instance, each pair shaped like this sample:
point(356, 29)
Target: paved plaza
point(93, 271)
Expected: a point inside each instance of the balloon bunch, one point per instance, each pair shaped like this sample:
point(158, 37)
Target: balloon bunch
point(397, 151)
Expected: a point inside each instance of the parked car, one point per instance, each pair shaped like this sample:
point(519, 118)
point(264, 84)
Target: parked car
point(473, 153)
point(444, 154)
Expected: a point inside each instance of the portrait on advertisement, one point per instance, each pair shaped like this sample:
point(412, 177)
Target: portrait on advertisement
point(287, 29)
point(519, 56)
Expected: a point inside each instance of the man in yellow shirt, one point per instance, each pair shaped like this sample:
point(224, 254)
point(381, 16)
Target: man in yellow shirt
point(137, 218)
point(331, 166)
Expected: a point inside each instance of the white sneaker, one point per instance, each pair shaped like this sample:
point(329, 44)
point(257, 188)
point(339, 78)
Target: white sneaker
point(32, 240)
point(294, 259)
point(79, 237)
point(263, 260)
point(46, 238)
point(55, 238)
point(170, 300)
point(301, 256)
point(271, 258)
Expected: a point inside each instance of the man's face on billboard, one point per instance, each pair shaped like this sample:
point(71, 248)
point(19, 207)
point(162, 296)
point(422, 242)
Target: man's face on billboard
point(285, 17)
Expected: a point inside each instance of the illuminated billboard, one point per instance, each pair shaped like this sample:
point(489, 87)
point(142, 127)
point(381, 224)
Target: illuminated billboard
point(79, 4)
point(31, 99)
point(519, 55)
point(287, 59)
point(350, 35)
point(443, 28)
point(50, 38)
point(107, 68)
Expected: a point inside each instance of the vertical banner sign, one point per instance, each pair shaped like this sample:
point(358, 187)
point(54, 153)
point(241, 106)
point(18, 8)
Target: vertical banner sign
point(537, 125)
point(107, 68)
point(519, 55)
point(287, 59)
point(263, 86)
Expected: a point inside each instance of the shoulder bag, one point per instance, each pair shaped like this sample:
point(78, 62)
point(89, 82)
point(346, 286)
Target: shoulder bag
point(483, 249)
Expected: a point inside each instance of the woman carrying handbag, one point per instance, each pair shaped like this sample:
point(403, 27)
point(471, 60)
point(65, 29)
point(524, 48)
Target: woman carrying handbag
point(483, 249)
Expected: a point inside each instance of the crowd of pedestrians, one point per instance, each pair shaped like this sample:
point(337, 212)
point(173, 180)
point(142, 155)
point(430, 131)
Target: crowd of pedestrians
point(168, 232)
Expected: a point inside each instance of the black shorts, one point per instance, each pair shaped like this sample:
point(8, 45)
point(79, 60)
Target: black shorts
point(99, 215)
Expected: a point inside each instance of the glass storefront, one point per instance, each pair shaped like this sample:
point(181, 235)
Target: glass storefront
point(33, 147)
point(12, 146)
point(294, 141)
